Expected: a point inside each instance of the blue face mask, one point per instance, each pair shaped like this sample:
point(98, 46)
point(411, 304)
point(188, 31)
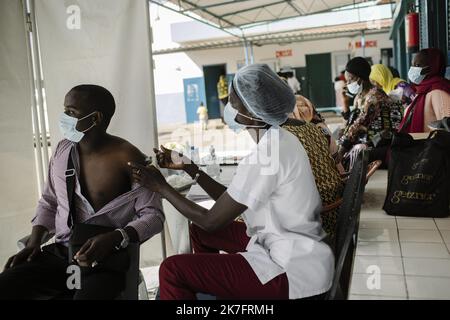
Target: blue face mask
point(229, 115)
point(68, 127)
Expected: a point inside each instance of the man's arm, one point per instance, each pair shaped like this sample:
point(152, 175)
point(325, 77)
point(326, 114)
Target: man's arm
point(148, 205)
point(47, 205)
point(150, 219)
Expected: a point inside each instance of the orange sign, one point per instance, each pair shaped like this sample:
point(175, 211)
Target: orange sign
point(369, 44)
point(284, 53)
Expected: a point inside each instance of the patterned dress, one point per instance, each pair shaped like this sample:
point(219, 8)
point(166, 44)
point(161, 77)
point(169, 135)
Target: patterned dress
point(327, 178)
point(376, 116)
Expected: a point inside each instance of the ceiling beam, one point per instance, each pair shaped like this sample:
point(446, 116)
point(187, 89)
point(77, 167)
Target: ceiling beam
point(220, 18)
point(293, 6)
point(276, 40)
point(254, 8)
point(215, 5)
point(194, 18)
point(263, 22)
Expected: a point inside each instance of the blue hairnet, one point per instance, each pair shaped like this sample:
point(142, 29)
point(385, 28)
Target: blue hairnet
point(264, 94)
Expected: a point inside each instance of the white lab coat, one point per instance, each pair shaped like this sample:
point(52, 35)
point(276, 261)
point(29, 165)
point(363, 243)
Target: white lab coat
point(283, 215)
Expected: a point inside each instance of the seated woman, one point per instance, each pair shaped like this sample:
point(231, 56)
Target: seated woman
point(279, 252)
point(375, 118)
point(396, 88)
point(433, 91)
point(305, 111)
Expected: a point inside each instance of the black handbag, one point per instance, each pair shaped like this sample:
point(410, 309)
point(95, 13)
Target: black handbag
point(81, 232)
point(419, 176)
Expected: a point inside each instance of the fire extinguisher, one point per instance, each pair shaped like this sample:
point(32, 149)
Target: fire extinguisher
point(412, 31)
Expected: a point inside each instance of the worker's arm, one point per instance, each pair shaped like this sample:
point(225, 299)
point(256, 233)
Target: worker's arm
point(173, 160)
point(224, 211)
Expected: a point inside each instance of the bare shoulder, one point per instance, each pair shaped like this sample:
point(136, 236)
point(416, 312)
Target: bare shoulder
point(126, 151)
point(438, 93)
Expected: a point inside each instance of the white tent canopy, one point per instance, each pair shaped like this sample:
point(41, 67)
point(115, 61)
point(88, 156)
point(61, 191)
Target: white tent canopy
point(245, 13)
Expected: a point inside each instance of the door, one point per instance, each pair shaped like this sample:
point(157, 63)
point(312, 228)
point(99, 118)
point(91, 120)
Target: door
point(340, 61)
point(300, 74)
point(320, 82)
point(194, 95)
point(212, 75)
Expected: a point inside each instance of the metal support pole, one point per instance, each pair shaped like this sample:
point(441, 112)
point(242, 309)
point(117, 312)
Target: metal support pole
point(38, 79)
point(363, 43)
point(153, 109)
point(246, 52)
point(34, 107)
point(252, 57)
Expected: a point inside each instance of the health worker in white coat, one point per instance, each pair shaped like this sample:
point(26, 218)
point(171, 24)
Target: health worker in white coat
point(278, 252)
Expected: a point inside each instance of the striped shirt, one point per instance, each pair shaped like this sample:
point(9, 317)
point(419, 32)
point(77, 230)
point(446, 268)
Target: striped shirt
point(138, 208)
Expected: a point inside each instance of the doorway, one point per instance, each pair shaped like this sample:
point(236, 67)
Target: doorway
point(300, 74)
point(320, 82)
point(211, 75)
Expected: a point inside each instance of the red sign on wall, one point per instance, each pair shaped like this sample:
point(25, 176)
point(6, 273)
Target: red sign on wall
point(369, 44)
point(284, 53)
point(358, 44)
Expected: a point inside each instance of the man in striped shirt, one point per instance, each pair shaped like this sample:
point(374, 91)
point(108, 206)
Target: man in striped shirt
point(104, 195)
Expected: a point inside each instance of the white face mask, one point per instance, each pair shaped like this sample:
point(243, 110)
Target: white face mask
point(414, 74)
point(229, 116)
point(68, 127)
point(354, 87)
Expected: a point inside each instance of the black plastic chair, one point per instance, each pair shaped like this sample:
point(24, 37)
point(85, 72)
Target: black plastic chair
point(347, 228)
point(134, 277)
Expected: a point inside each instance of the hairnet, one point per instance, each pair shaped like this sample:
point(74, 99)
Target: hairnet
point(264, 94)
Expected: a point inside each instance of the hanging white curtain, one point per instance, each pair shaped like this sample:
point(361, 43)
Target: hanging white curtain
point(18, 181)
point(104, 42)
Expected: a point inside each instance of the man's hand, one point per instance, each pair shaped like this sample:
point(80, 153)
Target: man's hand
point(98, 248)
point(27, 254)
point(148, 177)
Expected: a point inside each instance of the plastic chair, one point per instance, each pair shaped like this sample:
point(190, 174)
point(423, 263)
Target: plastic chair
point(347, 228)
point(135, 288)
point(371, 168)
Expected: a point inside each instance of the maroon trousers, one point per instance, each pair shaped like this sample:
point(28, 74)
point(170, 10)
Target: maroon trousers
point(226, 276)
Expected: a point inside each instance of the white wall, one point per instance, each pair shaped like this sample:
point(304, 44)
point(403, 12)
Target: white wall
point(18, 185)
point(171, 69)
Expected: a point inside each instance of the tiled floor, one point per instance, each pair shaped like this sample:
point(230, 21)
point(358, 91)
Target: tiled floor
point(412, 255)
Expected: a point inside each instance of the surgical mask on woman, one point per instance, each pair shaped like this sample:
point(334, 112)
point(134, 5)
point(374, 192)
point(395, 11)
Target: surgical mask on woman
point(229, 115)
point(354, 87)
point(68, 127)
point(415, 75)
